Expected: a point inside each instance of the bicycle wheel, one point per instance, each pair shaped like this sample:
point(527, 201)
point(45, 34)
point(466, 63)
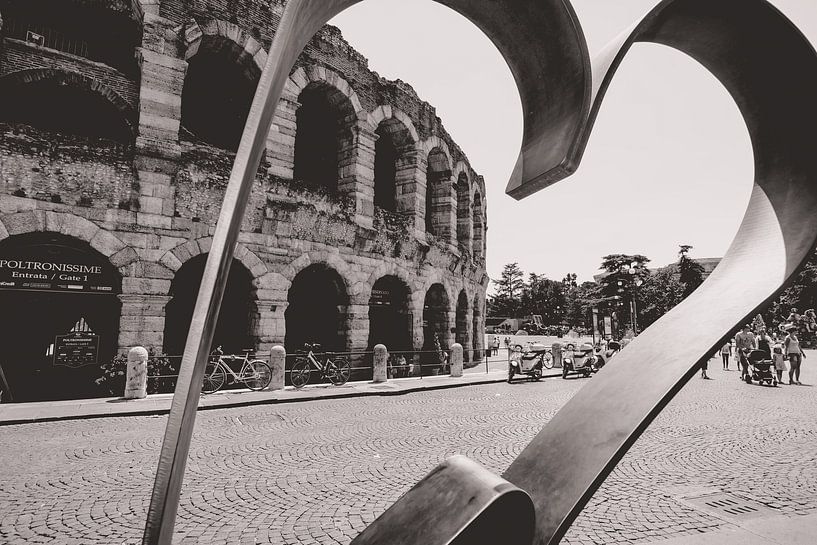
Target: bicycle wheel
point(338, 371)
point(257, 375)
point(214, 377)
point(548, 360)
point(299, 374)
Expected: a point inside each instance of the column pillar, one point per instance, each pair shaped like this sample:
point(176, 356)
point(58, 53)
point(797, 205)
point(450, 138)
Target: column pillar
point(357, 172)
point(444, 208)
point(142, 320)
point(281, 138)
point(269, 324)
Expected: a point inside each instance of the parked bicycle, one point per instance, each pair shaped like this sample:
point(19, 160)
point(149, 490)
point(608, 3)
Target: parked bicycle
point(255, 374)
point(336, 369)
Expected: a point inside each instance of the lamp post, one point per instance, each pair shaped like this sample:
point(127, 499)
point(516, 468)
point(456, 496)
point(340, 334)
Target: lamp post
point(636, 283)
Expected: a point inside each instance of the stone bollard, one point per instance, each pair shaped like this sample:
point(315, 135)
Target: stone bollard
point(277, 364)
point(381, 358)
point(456, 360)
point(556, 351)
point(136, 380)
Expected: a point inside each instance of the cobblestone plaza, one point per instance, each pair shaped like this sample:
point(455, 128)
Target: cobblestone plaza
point(319, 472)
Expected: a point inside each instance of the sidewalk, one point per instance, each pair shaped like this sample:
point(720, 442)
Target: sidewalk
point(773, 530)
point(20, 413)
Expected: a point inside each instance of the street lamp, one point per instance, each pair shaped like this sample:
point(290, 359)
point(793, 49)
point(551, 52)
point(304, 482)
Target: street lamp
point(633, 307)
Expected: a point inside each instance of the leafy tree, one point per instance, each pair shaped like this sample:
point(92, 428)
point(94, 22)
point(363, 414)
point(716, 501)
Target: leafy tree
point(690, 272)
point(579, 301)
point(660, 292)
point(507, 300)
point(624, 273)
point(545, 297)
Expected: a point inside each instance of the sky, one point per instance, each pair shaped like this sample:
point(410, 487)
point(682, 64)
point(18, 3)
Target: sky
point(669, 161)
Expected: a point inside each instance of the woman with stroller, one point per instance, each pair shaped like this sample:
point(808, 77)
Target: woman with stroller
point(795, 354)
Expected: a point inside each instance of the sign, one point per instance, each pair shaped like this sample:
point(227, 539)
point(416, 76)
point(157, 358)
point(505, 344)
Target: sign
point(55, 267)
point(608, 325)
point(76, 349)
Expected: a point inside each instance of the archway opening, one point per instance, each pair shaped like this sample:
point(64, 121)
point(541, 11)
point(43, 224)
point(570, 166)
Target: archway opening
point(385, 170)
point(390, 322)
point(218, 90)
point(463, 212)
point(438, 173)
point(62, 103)
point(462, 332)
point(234, 319)
point(317, 310)
point(60, 316)
point(478, 338)
point(436, 309)
point(479, 230)
point(323, 136)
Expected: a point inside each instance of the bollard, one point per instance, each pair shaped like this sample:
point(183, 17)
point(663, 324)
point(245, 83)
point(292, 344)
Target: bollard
point(381, 357)
point(277, 364)
point(136, 380)
point(456, 360)
point(556, 350)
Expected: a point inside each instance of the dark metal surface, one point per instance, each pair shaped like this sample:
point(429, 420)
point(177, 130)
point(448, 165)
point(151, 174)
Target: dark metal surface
point(771, 71)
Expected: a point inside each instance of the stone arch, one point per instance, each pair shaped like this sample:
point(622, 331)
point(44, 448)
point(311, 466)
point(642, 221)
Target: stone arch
point(52, 301)
point(385, 112)
point(318, 301)
point(252, 52)
point(478, 226)
point(436, 316)
point(106, 243)
point(438, 192)
point(390, 313)
point(435, 141)
point(304, 76)
point(322, 112)
point(462, 185)
point(478, 336)
point(463, 333)
point(17, 81)
point(224, 64)
point(174, 258)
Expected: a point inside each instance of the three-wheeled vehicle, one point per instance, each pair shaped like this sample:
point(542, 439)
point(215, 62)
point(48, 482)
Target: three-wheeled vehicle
point(530, 362)
point(579, 362)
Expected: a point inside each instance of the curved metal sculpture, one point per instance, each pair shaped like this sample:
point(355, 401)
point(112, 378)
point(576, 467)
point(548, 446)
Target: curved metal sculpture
point(771, 71)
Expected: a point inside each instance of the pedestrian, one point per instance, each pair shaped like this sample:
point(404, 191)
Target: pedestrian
point(764, 342)
point(744, 343)
point(726, 352)
point(496, 346)
point(704, 367)
point(779, 361)
point(795, 354)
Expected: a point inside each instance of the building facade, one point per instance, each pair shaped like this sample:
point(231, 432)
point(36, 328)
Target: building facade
point(119, 121)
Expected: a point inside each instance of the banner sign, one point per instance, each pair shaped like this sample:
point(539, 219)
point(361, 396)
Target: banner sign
point(30, 273)
point(76, 349)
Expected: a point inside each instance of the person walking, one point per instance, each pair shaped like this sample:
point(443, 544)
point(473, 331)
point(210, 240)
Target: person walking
point(744, 343)
point(726, 352)
point(795, 354)
point(779, 361)
point(764, 342)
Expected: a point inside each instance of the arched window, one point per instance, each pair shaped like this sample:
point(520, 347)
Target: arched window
point(317, 310)
point(463, 212)
point(323, 136)
point(64, 102)
point(390, 166)
point(479, 229)
point(437, 174)
point(233, 327)
point(462, 330)
point(218, 91)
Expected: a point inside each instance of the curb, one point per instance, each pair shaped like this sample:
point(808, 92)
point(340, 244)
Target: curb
point(256, 402)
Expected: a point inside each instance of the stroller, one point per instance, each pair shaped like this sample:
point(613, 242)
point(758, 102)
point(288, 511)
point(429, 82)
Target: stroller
point(761, 368)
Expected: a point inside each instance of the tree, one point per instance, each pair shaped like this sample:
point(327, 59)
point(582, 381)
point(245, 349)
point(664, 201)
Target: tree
point(690, 272)
point(660, 292)
point(625, 272)
point(545, 297)
point(507, 300)
point(579, 301)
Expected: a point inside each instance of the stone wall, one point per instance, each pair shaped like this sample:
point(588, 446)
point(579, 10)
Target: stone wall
point(151, 206)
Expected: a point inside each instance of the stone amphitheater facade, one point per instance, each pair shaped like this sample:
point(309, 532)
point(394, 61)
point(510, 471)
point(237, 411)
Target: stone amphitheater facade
point(118, 125)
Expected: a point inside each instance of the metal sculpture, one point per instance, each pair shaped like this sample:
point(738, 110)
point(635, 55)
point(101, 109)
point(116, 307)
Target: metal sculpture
point(769, 68)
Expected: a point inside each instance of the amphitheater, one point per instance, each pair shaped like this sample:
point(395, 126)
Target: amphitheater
point(119, 121)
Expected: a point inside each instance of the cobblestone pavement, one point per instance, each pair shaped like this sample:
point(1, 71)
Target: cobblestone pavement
point(319, 472)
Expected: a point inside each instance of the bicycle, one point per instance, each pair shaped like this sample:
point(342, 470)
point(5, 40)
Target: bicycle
point(255, 374)
point(337, 370)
